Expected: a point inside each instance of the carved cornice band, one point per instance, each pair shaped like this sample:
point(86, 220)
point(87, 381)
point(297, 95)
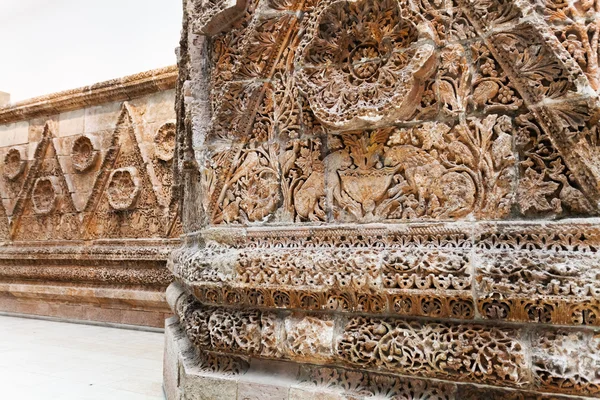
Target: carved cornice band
point(119, 89)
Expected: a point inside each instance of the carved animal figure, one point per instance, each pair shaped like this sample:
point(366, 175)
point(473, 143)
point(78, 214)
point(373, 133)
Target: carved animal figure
point(307, 197)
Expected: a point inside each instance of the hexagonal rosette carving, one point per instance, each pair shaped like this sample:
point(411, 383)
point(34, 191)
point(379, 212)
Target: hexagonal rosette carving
point(365, 63)
point(45, 194)
point(124, 187)
point(84, 153)
point(14, 164)
point(164, 141)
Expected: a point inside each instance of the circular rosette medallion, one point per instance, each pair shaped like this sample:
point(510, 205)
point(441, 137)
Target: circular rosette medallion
point(14, 164)
point(364, 63)
point(164, 141)
point(123, 188)
point(44, 195)
point(83, 153)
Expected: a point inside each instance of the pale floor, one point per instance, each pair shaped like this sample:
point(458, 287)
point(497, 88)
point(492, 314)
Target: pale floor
point(55, 360)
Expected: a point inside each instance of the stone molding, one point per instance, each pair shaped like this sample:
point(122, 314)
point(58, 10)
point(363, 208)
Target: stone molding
point(494, 355)
point(125, 88)
point(542, 273)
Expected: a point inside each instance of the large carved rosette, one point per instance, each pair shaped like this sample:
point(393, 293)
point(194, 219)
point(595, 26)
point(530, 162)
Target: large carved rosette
point(362, 63)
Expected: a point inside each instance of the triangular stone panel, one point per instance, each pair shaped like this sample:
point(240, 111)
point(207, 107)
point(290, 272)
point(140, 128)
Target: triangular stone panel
point(123, 203)
point(44, 209)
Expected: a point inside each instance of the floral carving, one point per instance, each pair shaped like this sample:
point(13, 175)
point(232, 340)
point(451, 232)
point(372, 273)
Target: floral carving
point(83, 153)
point(123, 188)
point(432, 171)
point(360, 65)
point(44, 195)
point(568, 362)
point(164, 141)
point(14, 164)
point(249, 190)
point(487, 355)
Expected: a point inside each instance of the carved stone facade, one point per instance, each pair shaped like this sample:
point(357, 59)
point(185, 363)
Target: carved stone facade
point(387, 198)
point(88, 215)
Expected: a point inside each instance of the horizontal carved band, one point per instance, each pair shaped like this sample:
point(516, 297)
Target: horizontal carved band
point(459, 352)
point(113, 90)
point(124, 276)
point(314, 380)
point(518, 272)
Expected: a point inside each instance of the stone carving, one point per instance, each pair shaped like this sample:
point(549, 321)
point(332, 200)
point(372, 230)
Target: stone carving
point(398, 195)
point(123, 188)
point(164, 141)
point(57, 191)
point(359, 63)
point(84, 153)
point(365, 384)
point(127, 183)
point(488, 354)
point(568, 362)
point(44, 210)
point(213, 16)
point(44, 195)
point(14, 164)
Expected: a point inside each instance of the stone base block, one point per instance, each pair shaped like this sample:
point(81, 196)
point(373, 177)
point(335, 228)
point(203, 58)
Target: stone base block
point(113, 305)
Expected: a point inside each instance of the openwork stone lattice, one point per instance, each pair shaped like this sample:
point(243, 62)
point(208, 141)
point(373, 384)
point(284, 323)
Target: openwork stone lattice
point(396, 191)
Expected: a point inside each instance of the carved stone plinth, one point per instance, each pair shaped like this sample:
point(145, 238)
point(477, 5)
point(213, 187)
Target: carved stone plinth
point(390, 199)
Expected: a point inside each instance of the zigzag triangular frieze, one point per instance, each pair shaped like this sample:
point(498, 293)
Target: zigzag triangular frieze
point(124, 176)
point(45, 209)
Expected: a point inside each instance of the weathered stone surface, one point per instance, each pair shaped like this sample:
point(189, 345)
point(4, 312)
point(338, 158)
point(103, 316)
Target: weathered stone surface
point(88, 216)
point(404, 193)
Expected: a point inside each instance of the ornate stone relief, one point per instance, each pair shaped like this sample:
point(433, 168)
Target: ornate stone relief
point(14, 164)
point(84, 153)
point(459, 352)
point(45, 194)
point(123, 188)
point(360, 63)
point(128, 189)
point(365, 177)
point(164, 141)
point(44, 209)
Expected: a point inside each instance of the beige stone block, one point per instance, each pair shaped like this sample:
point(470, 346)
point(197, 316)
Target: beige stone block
point(4, 99)
point(102, 117)
point(256, 391)
point(63, 145)
point(171, 365)
point(15, 133)
point(31, 147)
point(305, 394)
point(197, 387)
point(36, 127)
point(158, 107)
point(71, 123)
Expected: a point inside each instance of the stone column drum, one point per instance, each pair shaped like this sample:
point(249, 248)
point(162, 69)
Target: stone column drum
point(387, 199)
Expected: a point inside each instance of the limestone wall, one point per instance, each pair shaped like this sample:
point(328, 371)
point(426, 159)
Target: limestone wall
point(87, 215)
